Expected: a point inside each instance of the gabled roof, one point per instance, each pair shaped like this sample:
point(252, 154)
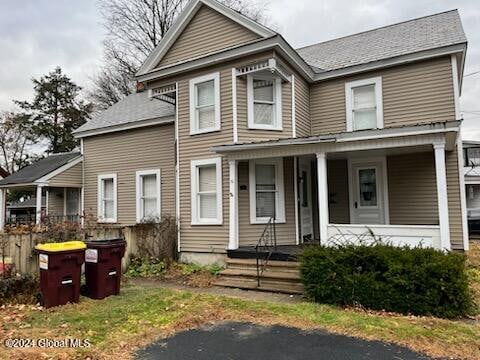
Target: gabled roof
point(412, 36)
point(132, 111)
point(41, 168)
point(184, 18)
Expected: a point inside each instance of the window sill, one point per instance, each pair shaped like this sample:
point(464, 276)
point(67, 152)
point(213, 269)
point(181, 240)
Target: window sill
point(107, 221)
point(264, 222)
point(205, 131)
point(268, 128)
point(206, 223)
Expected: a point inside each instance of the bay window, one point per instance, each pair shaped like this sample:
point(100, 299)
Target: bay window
point(364, 104)
point(107, 198)
point(206, 197)
point(205, 104)
point(267, 198)
point(148, 195)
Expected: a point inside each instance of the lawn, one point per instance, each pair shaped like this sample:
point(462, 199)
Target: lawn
point(118, 325)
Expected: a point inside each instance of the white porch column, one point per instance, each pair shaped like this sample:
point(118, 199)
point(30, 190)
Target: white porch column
point(3, 208)
point(38, 212)
point(442, 194)
point(233, 205)
point(322, 196)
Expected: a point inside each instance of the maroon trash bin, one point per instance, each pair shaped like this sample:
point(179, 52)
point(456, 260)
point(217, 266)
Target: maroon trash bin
point(103, 267)
point(60, 272)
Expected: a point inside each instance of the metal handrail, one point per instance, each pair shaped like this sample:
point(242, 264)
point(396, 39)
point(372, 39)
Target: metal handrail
point(267, 240)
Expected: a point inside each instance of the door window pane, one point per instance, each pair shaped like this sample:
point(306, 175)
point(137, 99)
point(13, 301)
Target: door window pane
point(367, 179)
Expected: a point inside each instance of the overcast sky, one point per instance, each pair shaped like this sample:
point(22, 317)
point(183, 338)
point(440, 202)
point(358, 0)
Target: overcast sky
point(38, 35)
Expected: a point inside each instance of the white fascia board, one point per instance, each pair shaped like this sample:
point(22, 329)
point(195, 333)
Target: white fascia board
point(185, 17)
point(394, 61)
point(70, 164)
point(126, 126)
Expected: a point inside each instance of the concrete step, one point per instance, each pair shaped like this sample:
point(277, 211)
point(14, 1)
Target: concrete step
point(267, 274)
point(265, 285)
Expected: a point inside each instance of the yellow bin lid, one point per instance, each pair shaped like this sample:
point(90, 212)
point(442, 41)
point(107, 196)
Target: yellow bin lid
point(64, 246)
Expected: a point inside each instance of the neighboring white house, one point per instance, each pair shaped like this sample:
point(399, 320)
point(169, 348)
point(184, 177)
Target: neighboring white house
point(471, 155)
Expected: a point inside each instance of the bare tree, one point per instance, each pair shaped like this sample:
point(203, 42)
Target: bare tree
point(134, 28)
point(15, 138)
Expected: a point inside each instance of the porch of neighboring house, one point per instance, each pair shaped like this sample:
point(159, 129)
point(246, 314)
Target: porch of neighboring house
point(288, 194)
point(47, 191)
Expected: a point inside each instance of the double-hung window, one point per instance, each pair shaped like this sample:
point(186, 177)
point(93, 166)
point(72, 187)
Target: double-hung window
point(264, 95)
point(267, 197)
point(107, 198)
point(148, 195)
point(206, 188)
point(205, 104)
point(364, 104)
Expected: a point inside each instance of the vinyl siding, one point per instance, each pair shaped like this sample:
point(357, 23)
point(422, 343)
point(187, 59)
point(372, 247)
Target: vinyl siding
point(55, 201)
point(337, 177)
point(412, 189)
point(412, 94)
point(250, 233)
point(454, 206)
point(124, 153)
point(207, 32)
point(71, 177)
point(302, 107)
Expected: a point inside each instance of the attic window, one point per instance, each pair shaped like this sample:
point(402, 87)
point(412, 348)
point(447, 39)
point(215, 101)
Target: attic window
point(205, 104)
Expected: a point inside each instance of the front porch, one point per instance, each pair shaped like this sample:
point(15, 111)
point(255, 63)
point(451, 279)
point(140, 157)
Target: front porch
point(353, 189)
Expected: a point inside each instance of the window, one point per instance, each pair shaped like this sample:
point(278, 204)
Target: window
point(264, 102)
point(205, 104)
point(472, 157)
point(206, 191)
point(364, 104)
point(72, 201)
point(267, 198)
point(107, 198)
point(148, 195)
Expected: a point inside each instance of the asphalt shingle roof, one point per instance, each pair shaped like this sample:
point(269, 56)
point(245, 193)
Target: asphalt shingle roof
point(40, 168)
point(133, 108)
point(407, 37)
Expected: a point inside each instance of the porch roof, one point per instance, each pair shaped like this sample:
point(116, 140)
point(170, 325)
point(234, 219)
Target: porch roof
point(40, 170)
point(391, 132)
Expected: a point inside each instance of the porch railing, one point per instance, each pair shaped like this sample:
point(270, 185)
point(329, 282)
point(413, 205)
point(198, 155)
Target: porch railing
point(265, 245)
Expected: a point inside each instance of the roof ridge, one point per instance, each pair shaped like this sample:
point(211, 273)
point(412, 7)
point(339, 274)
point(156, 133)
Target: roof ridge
point(378, 28)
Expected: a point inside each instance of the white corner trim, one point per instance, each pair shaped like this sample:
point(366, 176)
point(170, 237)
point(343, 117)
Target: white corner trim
point(60, 170)
point(280, 190)
point(177, 172)
point(349, 86)
point(138, 186)
point(193, 117)
point(100, 218)
point(456, 89)
point(294, 109)
point(278, 117)
point(234, 105)
point(194, 165)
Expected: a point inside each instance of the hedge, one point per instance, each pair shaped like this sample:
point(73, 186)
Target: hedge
point(416, 281)
point(18, 289)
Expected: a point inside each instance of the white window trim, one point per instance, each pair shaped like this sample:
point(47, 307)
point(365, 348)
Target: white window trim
point(138, 182)
point(100, 197)
point(193, 121)
point(349, 86)
point(280, 193)
point(194, 164)
point(278, 122)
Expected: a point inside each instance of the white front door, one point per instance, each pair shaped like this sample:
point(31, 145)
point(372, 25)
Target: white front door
point(305, 197)
point(367, 187)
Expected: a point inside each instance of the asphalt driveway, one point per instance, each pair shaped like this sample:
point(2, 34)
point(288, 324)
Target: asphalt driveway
point(247, 341)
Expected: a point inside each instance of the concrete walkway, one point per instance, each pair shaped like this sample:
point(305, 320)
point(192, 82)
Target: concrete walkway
point(243, 341)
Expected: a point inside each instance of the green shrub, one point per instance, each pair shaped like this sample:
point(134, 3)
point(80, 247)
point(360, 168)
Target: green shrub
point(382, 277)
point(18, 289)
point(146, 267)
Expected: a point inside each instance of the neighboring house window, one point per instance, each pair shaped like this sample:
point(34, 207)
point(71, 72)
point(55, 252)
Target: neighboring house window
point(267, 197)
point(264, 102)
point(206, 191)
point(472, 157)
point(107, 198)
point(364, 104)
point(148, 195)
point(205, 104)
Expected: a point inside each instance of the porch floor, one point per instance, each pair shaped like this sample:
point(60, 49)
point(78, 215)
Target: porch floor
point(281, 253)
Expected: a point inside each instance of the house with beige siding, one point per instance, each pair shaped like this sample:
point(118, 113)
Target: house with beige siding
point(237, 131)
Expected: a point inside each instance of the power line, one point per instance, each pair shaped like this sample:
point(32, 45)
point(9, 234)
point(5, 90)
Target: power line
point(473, 73)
